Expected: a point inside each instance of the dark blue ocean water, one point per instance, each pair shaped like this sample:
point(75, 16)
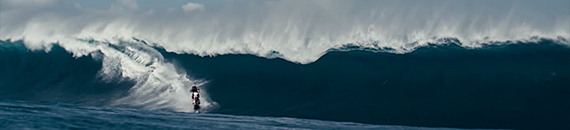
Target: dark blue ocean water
point(507, 86)
point(29, 115)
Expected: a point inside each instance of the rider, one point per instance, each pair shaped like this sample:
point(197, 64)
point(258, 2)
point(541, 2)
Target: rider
point(194, 89)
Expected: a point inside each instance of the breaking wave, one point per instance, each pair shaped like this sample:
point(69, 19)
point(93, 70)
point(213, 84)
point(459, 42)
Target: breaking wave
point(273, 29)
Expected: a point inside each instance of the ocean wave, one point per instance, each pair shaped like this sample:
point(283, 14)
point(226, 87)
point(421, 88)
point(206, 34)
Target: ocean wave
point(147, 80)
point(137, 48)
point(379, 86)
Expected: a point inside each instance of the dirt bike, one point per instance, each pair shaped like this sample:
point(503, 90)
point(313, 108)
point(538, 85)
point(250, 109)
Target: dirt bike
point(196, 101)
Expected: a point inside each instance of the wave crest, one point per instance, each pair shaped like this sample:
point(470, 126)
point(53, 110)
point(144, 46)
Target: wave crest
point(300, 31)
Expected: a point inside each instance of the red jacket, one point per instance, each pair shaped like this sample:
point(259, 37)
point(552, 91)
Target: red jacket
point(194, 89)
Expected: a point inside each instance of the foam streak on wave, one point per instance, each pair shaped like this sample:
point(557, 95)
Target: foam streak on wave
point(158, 84)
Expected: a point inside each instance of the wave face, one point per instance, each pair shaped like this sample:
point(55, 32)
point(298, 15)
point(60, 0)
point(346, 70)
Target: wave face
point(498, 86)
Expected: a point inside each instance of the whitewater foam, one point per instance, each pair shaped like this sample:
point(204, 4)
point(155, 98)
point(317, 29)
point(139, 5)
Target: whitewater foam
point(158, 84)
